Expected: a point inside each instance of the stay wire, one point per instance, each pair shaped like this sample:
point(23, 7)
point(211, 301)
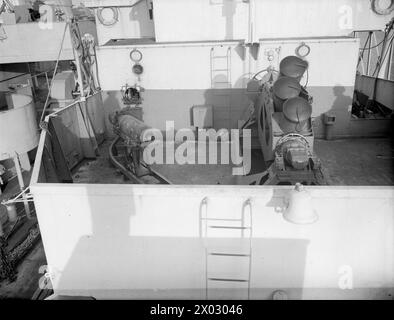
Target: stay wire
point(54, 73)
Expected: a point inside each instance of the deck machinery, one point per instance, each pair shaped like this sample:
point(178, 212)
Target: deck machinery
point(125, 152)
point(282, 110)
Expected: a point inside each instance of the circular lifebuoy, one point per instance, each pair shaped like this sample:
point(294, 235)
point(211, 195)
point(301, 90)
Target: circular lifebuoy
point(135, 55)
point(115, 16)
point(377, 7)
point(303, 50)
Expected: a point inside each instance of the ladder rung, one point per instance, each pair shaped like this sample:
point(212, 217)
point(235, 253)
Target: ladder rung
point(229, 254)
point(222, 82)
point(219, 57)
point(220, 69)
point(228, 280)
point(226, 227)
point(221, 219)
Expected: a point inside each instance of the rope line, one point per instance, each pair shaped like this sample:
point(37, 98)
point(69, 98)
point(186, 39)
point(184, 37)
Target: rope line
point(54, 73)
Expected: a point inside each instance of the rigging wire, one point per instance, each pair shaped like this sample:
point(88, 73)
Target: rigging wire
point(54, 73)
point(375, 46)
point(380, 61)
point(387, 31)
point(361, 56)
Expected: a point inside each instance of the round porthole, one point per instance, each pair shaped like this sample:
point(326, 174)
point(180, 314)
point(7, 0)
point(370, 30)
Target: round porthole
point(303, 50)
point(138, 69)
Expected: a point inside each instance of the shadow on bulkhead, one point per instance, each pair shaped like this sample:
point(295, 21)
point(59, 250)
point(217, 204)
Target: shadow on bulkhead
point(124, 250)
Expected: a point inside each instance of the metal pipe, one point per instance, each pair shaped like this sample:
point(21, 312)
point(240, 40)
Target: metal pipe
point(54, 72)
point(116, 163)
point(252, 19)
point(389, 63)
point(128, 173)
point(21, 185)
point(369, 51)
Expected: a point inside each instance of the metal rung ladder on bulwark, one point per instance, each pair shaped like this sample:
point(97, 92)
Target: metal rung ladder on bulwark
point(218, 69)
point(221, 83)
point(219, 225)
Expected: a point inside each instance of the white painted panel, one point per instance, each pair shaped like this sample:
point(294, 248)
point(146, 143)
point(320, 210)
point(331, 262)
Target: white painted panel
point(146, 238)
point(306, 18)
point(187, 20)
point(332, 62)
point(166, 66)
point(26, 42)
point(133, 22)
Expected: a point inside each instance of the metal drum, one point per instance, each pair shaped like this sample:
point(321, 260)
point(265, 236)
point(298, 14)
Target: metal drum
point(293, 66)
point(285, 88)
point(18, 127)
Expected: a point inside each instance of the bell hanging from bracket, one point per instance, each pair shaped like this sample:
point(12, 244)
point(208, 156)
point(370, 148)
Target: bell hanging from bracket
point(299, 206)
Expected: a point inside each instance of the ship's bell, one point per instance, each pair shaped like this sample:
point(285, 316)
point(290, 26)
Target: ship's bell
point(299, 206)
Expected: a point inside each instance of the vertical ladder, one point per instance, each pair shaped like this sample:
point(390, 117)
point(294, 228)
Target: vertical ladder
point(221, 66)
point(221, 81)
point(210, 225)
